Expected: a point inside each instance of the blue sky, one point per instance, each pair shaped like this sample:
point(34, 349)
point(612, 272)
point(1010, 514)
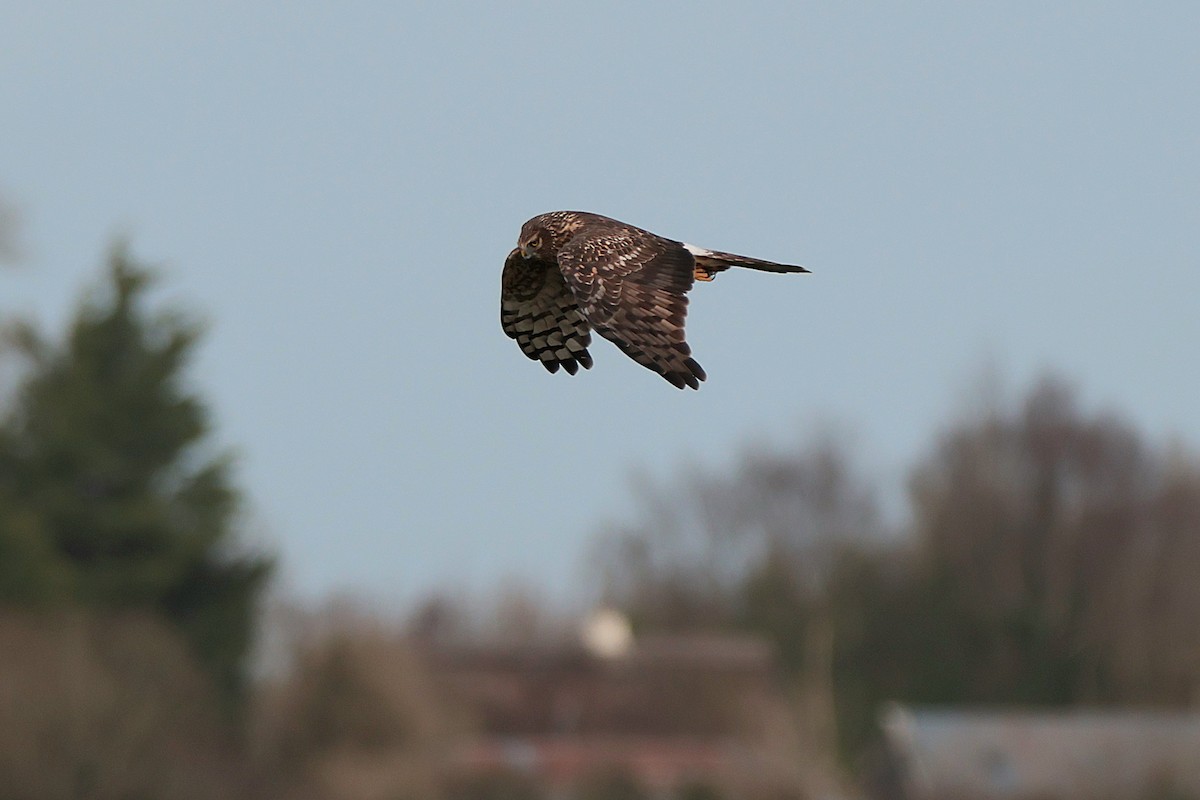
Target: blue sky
point(335, 186)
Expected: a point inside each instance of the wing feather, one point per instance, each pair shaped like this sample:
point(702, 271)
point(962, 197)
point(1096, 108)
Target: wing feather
point(541, 314)
point(631, 286)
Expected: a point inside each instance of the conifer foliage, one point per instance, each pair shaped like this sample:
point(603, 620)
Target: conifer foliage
point(111, 498)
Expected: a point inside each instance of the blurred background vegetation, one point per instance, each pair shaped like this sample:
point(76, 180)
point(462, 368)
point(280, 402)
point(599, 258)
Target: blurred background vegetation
point(1047, 556)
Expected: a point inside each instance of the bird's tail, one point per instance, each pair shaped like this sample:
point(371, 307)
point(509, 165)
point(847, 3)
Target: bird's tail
point(710, 262)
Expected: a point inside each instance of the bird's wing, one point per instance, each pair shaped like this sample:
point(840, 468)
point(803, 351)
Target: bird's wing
point(539, 311)
point(541, 314)
point(631, 286)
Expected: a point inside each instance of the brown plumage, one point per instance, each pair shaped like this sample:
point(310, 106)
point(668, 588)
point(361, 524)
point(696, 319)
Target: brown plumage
point(573, 272)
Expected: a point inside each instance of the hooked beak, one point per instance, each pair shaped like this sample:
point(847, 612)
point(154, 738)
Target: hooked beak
point(526, 253)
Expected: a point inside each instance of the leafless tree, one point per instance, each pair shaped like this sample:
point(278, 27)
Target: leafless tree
point(353, 715)
point(1074, 524)
point(695, 540)
point(754, 547)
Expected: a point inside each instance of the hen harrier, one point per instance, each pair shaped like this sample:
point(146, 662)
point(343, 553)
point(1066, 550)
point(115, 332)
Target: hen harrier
point(573, 272)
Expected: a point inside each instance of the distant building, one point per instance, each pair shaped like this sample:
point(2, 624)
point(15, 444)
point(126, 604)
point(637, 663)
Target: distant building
point(666, 711)
point(1059, 755)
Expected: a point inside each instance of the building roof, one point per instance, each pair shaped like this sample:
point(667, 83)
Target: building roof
point(665, 710)
point(964, 754)
point(687, 686)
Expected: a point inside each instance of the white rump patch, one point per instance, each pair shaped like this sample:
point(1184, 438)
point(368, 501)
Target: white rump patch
point(696, 251)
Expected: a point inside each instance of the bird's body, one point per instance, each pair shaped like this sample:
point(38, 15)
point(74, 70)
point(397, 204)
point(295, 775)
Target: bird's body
point(573, 272)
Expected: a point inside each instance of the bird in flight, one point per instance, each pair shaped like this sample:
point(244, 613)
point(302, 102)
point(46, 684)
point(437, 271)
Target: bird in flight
point(573, 272)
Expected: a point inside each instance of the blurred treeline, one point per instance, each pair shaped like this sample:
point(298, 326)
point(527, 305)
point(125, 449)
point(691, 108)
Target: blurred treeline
point(1048, 556)
point(1045, 555)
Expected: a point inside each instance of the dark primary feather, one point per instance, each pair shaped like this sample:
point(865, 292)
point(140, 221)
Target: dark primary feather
point(538, 310)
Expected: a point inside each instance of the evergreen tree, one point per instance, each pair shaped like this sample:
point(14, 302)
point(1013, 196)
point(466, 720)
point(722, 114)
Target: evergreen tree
point(109, 496)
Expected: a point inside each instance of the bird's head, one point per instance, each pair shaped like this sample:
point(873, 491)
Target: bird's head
point(532, 242)
point(543, 236)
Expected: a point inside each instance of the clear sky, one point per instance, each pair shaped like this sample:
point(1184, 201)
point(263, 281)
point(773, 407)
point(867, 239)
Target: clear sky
point(335, 186)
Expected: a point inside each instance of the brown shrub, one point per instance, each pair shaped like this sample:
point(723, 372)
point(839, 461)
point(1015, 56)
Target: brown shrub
point(108, 706)
point(354, 717)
